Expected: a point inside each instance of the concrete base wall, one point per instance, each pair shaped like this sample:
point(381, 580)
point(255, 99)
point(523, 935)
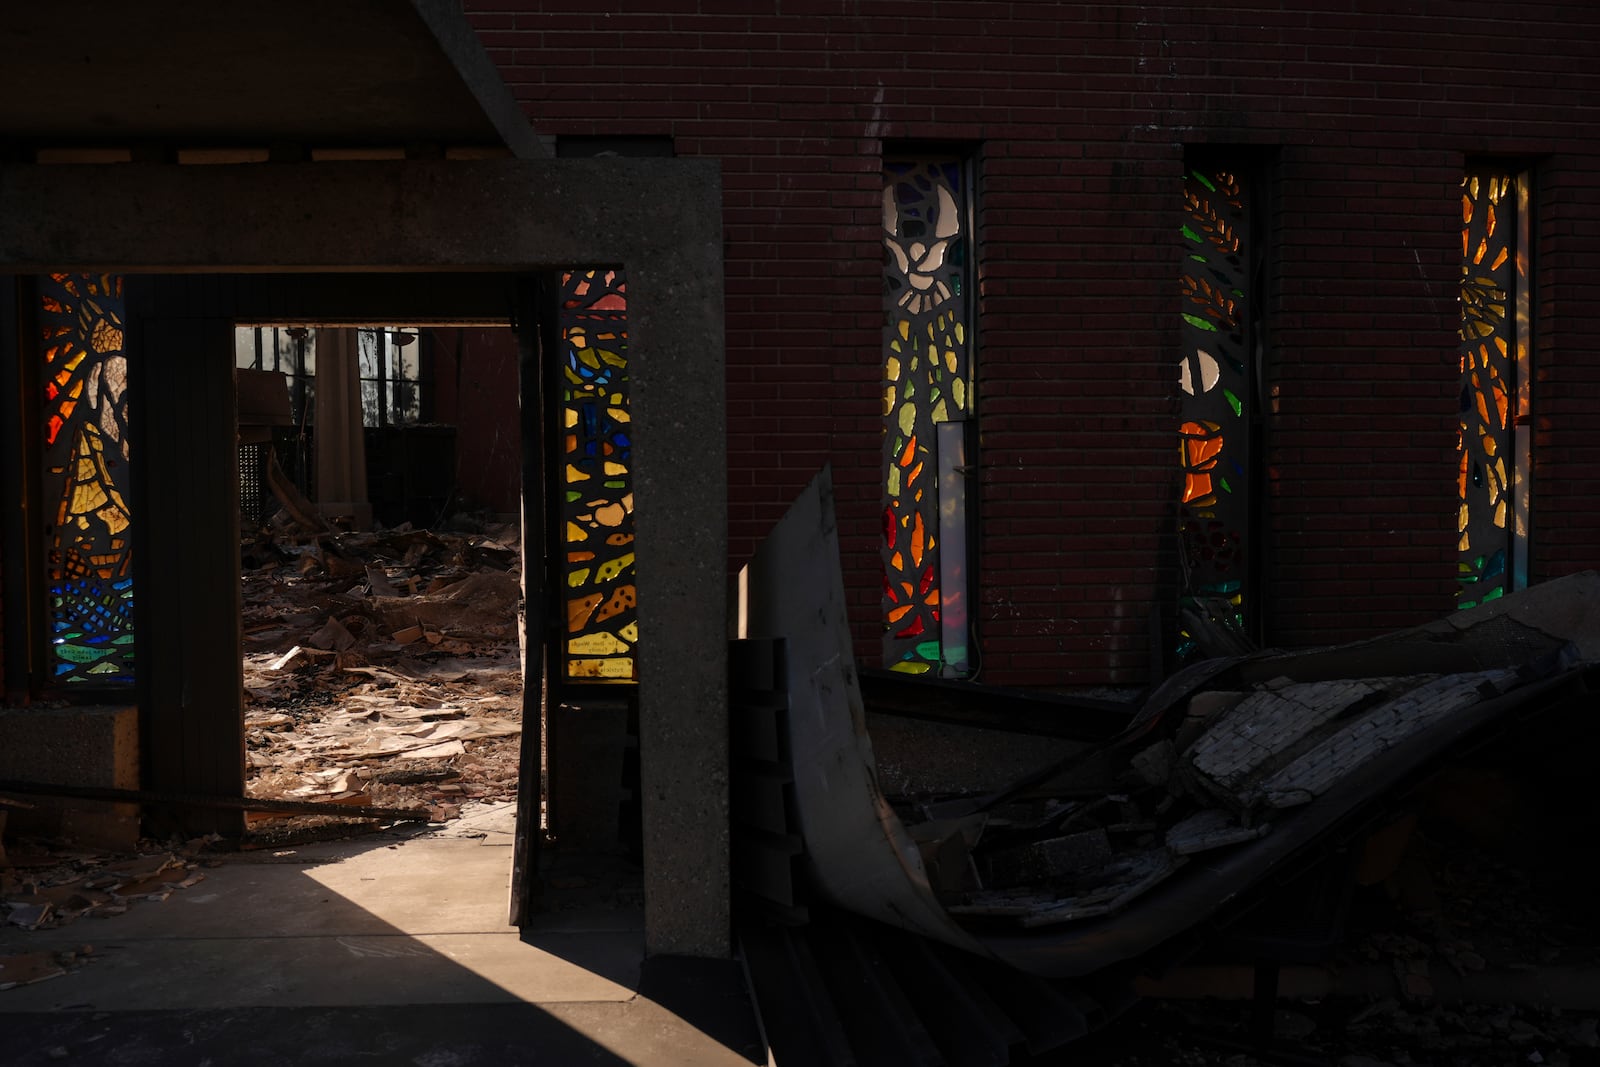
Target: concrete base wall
point(589, 747)
point(81, 746)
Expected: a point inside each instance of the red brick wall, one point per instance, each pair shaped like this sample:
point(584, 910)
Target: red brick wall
point(1079, 115)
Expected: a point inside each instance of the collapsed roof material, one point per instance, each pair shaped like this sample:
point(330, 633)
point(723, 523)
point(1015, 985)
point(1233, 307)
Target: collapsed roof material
point(1229, 772)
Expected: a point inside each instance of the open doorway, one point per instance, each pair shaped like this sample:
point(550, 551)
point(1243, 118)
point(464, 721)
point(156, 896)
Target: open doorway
point(380, 572)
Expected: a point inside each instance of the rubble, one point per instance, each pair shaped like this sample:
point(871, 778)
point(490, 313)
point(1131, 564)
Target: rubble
point(381, 669)
point(47, 888)
point(1248, 815)
point(1242, 767)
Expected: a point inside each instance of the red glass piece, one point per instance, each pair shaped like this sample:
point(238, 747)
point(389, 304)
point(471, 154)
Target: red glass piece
point(927, 579)
point(913, 630)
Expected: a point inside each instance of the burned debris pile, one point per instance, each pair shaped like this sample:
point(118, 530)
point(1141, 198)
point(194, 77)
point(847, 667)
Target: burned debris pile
point(1231, 773)
point(382, 669)
point(1217, 772)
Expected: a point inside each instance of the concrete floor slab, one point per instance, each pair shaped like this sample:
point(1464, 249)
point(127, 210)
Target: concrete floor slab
point(410, 930)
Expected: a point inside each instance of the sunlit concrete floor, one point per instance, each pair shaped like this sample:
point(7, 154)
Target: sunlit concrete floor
point(386, 949)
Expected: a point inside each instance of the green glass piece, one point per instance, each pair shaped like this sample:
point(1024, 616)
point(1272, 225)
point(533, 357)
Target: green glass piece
point(1197, 257)
point(1191, 235)
point(1198, 323)
point(928, 650)
point(79, 654)
point(1465, 604)
point(1226, 488)
point(615, 484)
point(1203, 180)
point(1494, 594)
point(1233, 402)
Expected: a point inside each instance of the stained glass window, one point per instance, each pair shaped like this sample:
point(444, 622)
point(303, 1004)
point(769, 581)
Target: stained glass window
point(927, 394)
point(596, 479)
point(88, 556)
point(1491, 474)
point(1214, 378)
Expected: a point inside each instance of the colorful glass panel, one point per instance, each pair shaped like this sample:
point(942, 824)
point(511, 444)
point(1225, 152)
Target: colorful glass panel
point(596, 480)
point(1214, 377)
point(88, 557)
point(1492, 346)
point(927, 380)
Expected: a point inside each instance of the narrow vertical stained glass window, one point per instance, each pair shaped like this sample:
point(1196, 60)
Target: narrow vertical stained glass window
point(88, 558)
point(927, 395)
point(596, 479)
point(1492, 467)
point(1214, 377)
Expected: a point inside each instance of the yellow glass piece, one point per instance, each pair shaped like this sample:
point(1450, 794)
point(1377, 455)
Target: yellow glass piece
point(908, 667)
point(113, 515)
point(940, 414)
point(620, 667)
point(630, 632)
point(610, 514)
point(613, 567)
point(905, 329)
point(891, 369)
point(908, 418)
point(615, 469)
point(576, 533)
point(618, 414)
point(575, 475)
point(71, 365)
point(958, 390)
point(87, 497)
point(1500, 513)
point(950, 360)
point(888, 400)
point(578, 577)
point(106, 338)
point(893, 481)
point(961, 333)
point(616, 399)
point(596, 644)
point(571, 416)
point(1463, 519)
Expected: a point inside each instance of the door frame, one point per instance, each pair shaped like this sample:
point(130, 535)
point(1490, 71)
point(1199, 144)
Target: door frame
point(658, 218)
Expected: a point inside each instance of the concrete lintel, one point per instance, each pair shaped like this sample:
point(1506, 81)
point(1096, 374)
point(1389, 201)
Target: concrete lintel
point(363, 215)
point(659, 218)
